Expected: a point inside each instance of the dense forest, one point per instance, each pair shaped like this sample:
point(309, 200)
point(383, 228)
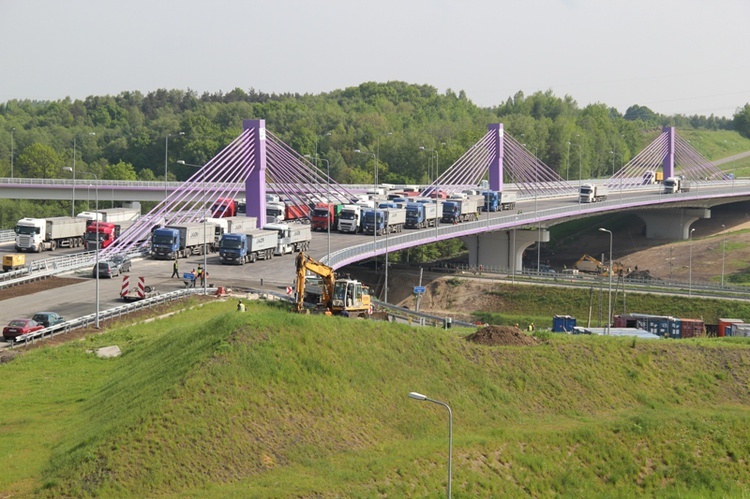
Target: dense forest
point(129, 136)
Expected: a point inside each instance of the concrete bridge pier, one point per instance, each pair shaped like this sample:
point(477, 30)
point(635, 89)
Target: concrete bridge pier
point(671, 223)
point(503, 248)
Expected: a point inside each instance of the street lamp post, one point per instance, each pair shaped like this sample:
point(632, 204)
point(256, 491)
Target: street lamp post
point(539, 223)
point(98, 243)
point(11, 151)
point(166, 160)
point(609, 313)
point(205, 222)
point(690, 265)
point(328, 195)
point(375, 191)
point(438, 205)
point(420, 397)
point(723, 251)
point(580, 170)
point(73, 203)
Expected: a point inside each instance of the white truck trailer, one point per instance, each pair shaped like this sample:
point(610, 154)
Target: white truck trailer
point(459, 210)
point(293, 238)
point(593, 193)
point(673, 185)
point(232, 224)
point(112, 215)
point(508, 200)
point(40, 234)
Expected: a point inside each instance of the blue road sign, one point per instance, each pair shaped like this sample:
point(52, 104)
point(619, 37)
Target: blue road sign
point(419, 290)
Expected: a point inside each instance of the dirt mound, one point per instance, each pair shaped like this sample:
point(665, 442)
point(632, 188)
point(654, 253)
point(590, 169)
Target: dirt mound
point(502, 335)
point(643, 275)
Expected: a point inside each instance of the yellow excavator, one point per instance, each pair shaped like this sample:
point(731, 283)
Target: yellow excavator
point(590, 264)
point(340, 296)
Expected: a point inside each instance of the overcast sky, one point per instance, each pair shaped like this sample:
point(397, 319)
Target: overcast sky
point(674, 56)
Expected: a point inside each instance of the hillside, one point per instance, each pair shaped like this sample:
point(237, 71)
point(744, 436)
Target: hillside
point(268, 403)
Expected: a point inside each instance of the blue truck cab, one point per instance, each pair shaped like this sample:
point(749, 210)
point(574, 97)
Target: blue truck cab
point(373, 221)
point(491, 201)
point(415, 216)
point(451, 211)
point(165, 243)
point(233, 248)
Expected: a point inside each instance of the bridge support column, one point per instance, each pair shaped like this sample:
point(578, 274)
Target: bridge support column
point(496, 163)
point(255, 185)
point(502, 249)
point(671, 223)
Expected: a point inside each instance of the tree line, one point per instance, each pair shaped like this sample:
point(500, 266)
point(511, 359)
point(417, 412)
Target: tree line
point(128, 136)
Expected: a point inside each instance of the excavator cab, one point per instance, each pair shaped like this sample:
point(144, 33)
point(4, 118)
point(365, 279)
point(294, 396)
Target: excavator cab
point(350, 295)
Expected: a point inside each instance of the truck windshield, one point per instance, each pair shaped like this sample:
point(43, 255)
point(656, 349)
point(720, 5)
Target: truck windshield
point(27, 230)
point(230, 244)
point(320, 213)
point(412, 212)
point(274, 212)
point(585, 190)
point(163, 239)
point(347, 215)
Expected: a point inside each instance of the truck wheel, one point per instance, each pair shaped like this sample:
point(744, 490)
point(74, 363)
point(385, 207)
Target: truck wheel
point(252, 257)
point(53, 246)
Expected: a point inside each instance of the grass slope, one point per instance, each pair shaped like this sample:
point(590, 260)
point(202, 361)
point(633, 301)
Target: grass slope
point(274, 404)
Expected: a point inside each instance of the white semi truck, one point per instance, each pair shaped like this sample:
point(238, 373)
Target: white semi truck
point(40, 234)
point(350, 218)
point(592, 193)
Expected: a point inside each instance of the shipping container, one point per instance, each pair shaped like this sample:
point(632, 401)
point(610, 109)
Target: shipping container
point(675, 329)
point(691, 328)
point(742, 330)
point(563, 324)
point(725, 326)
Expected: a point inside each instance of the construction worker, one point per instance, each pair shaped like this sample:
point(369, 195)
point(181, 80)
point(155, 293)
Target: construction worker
point(175, 269)
point(240, 306)
point(195, 278)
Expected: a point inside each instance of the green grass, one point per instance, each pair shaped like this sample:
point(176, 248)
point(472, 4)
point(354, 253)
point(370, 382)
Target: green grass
point(212, 403)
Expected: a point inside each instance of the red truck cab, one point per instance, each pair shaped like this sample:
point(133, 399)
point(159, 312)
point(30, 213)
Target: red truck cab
point(323, 216)
point(107, 231)
point(224, 207)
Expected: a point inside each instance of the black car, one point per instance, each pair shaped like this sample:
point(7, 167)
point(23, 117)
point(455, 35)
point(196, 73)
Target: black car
point(114, 266)
point(48, 319)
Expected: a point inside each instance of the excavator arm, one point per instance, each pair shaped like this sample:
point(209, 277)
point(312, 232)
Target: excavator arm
point(305, 263)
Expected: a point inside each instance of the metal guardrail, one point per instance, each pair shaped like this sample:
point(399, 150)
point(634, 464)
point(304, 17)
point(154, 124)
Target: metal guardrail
point(87, 320)
point(7, 236)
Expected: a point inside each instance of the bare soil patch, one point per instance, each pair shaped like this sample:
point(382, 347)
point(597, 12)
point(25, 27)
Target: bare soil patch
point(36, 287)
point(502, 335)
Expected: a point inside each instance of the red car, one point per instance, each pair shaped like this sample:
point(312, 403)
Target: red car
point(17, 327)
